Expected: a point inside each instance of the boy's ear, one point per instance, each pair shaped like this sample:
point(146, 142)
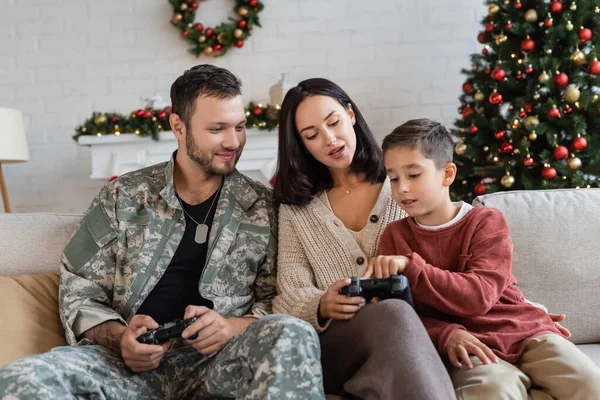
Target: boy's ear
point(448, 174)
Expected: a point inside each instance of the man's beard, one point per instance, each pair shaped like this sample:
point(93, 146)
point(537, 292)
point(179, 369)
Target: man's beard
point(203, 159)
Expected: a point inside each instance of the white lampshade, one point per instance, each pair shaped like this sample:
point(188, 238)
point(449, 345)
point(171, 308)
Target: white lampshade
point(13, 144)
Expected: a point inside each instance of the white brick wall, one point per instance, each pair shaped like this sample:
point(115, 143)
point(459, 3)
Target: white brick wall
point(62, 59)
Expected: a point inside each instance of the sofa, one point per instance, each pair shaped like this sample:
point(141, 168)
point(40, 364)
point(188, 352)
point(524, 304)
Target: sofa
point(556, 235)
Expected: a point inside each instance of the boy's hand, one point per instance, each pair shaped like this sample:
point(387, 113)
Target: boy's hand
point(559, 318)
point(339, 306)
point(461, 344)
point(385, 266)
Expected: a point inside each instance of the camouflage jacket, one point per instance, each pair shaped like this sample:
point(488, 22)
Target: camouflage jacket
point(129, 235)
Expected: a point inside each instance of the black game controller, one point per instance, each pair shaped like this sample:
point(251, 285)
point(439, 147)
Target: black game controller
point(394, 287)
point(167, 331)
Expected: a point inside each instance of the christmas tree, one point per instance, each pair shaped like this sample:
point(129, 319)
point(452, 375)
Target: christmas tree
point(530, 107)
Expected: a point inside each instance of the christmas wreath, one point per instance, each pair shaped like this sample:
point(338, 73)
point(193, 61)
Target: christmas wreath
point(151, 121)
point(215, 41)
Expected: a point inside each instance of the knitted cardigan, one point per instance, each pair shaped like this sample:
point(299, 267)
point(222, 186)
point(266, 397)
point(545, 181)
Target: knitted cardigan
point(316, 249)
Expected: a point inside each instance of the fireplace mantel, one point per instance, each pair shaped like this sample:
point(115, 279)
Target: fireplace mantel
point(118, 154)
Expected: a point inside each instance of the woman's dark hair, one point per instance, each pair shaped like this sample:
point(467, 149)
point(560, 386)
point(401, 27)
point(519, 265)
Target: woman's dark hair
point(299, 175)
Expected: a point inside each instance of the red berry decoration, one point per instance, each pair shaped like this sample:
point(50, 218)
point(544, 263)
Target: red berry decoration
point(556, 7)
point(498, 74)
point(528, 108)
point(508, 26)
point(528, 45)
point(194, 5)
point(480, 189)
point(529, 69)
point(467, 111)
point(548, 173)
point(209, 31)
point(548, 23)
point(239, 44)
point(499, 134)
point(585, 34)
point(489, 28)
point(554, 112)
point(519, 77)
point(568, 111)
point(594, 67)
point(257, 110)
point(561, 80)
point(199, 27)
point(473, 129)
point(506, 148)
point(579, 143)
point(139, 113)
point(518, 5)
point(185, 34)
point(242, 23)
point(484, 51)
point(114, 118)
point(467, 87)
point(147, 114)
point(528, 162)
point(560, 153)
point(522, 113)
point(495, 98)
point(217, 47)
point(487, 71)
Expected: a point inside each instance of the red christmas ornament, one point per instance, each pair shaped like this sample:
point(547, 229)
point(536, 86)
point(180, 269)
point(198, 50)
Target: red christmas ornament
point(528, 162)
point(114, 118)
point(167, 109)
point(506, 148)
point(147, 114)
point(257, 110)
point(198, 27)
point(508, 26)
point(560, 153)
point(487, 71)
point(519, 77)
point(185, 34)
point(528, 108)
point(162, 115)
point(529, 69)
point(594, 67)
point(498, 74)
point(495, 98)
point(194, 5)
point(209, 31)
point(556, 7)
point(528, 45)
point(467, 111)
point(239, 44)
point(554, 112)
point(217, 47)
point(579, 143)
point(480, 189)
point(585, 34)
point(253, 3)
point(548, 173)
point(467, 87)
point(561, 80)
point(473, 129)
point(568, 111)
point(481, 37)
point(489, 28)
point(484, 51)
point(499, 134)
point(548, 23)
point(139, 113)
point(522, 114)
point(518, 5)
point(242, 23)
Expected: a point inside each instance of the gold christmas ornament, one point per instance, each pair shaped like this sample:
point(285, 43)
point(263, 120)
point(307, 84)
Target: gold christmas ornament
point(531, 15)
point(99, 119)
point(572, 94)
point(573, 6)
point(578, 57)
point(532, 136)
point(597, 10)
point(243, 11)
point(208, 51)
point(493, 9)
point(176, 18)
point(548, 51)
point(531, 122)
point(202, 39)
point(221, 38)
point(544, 77)
point(183, 7)
point(569, 26)
point(460, 148)
point(574, 164)
point(507, 181)
point(474, 67)
point(479, 96)
point(238, 33)
point(501, 38)
point(486, 148)
point(536, 96)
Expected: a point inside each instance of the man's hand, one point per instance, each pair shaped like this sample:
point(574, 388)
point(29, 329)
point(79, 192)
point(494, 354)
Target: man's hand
point(141, 357)
point(213, 329)
point(385, 266)
point(339, 306)
point(461, 344)
point(559, 318)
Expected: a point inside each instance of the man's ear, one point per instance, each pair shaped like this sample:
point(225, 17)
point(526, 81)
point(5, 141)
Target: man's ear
point(448, 174)
point(351, 114)
point(177, 126)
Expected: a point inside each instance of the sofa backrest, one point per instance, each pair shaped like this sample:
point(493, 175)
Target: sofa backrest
point(556, 237)
point(32, 243)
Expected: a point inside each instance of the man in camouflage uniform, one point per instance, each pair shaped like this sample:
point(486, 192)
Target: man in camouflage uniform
point(128, 265)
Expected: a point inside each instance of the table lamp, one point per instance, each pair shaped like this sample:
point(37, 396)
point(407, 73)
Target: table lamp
point(13, 145)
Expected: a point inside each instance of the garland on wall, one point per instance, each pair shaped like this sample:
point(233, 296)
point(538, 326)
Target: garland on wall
point(218, 40)
point(150, 121)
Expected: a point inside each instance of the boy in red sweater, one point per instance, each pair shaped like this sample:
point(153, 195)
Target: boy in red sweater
point(457, 259)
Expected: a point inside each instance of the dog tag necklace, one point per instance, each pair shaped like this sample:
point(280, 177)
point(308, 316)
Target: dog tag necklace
point(202, 228)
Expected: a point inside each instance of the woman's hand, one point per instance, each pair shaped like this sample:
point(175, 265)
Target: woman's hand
point(335, 305)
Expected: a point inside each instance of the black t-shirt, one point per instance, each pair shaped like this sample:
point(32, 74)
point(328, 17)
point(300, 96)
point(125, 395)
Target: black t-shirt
point(178, 287)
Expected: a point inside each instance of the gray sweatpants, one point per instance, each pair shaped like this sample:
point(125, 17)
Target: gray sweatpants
point(276, 357)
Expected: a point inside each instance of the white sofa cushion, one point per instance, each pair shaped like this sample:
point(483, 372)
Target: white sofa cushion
point(556, 237)
point(33, 243)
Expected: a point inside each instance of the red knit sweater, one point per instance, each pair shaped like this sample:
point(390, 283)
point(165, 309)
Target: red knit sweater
point(460, 277)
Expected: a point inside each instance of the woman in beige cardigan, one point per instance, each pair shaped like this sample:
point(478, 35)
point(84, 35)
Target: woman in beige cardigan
point(334, 206)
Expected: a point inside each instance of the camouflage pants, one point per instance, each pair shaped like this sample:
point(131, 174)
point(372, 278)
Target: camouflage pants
point(276, 357)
